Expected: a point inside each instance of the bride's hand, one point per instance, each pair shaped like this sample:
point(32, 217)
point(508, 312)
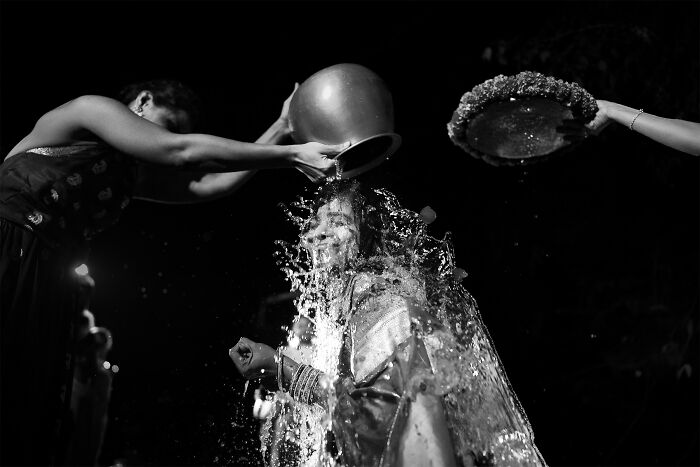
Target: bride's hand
point(253, 360)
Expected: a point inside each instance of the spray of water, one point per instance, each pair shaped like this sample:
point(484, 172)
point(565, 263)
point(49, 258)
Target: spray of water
point(487, 423)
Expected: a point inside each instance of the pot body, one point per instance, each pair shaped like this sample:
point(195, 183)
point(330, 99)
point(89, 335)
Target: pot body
point(346, 102)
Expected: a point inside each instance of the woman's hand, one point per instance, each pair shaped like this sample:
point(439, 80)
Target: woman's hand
point(253, 360)
point(602, 118)
point(574, 131)
point(314, 159)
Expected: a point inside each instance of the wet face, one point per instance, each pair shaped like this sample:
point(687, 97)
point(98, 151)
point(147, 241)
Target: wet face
point(332, 236)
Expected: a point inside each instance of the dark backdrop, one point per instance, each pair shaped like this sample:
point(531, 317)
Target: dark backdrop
point(585, 267)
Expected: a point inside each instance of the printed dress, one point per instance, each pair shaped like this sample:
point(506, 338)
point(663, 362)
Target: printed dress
point(52, 201)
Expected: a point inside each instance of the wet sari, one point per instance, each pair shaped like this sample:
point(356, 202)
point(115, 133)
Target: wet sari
point(411, 387)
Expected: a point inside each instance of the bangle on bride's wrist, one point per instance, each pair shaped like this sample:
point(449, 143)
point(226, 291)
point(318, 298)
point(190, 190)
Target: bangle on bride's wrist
point(639, 112)
point(295, 377)
point(308, 392)
point(297, 388)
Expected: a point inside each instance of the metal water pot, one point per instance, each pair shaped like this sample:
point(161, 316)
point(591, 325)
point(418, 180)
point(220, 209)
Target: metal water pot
point(346, 102)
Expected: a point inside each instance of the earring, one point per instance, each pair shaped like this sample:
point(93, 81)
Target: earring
point(139, 111)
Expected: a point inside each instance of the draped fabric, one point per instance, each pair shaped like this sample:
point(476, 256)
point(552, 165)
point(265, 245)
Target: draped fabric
point(412, 387)
point(384, 414)
point(52, 200)
point(38, 307)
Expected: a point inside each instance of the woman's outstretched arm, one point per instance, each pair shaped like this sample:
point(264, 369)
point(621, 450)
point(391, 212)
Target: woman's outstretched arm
point(112, 122)
point(677, 134)
point(174, 186)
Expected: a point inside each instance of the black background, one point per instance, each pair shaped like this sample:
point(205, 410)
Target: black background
point(585, 267)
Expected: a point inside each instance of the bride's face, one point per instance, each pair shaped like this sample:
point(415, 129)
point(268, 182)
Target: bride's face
point(332, 236)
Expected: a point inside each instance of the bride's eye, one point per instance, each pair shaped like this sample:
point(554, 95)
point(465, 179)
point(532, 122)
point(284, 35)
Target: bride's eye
point(310, 225)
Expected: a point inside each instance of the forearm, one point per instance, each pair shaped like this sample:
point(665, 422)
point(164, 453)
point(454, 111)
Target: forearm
point(215, 154)
point(303, 383)
point(217, 185)
point(276, 134)
point(677, 134)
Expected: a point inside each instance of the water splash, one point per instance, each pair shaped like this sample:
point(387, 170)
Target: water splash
point(339, 165)
point(487, 422)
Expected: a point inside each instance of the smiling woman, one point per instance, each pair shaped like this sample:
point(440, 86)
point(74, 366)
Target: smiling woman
point(333, 236)
point(585, 267)
point(402, 371)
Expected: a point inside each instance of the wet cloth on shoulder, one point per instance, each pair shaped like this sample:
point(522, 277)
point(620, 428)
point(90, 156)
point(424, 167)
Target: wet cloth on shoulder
point(382, 416)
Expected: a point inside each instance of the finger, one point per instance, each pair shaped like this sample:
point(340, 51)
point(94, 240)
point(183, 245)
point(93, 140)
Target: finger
point(238, 361)
point(296, 86)
point(244, 348)
point(594, 128)
point(236, 353)
point(325, 165)
point(333, 149)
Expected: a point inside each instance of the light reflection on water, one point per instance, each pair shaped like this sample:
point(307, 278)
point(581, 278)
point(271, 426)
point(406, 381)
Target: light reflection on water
point(487, 423)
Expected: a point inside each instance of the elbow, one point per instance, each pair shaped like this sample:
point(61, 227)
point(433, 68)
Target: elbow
point(179, 151)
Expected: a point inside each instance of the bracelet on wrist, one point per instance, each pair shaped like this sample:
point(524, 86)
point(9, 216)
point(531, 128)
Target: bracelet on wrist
point(295, 378)
point(639, 112)
point(303, 384)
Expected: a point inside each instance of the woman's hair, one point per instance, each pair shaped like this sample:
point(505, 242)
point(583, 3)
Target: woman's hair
point(167, 93)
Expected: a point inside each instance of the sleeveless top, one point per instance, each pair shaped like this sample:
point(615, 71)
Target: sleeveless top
point(66, 194)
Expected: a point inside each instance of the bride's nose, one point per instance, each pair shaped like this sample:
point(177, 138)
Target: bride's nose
point(316, 235)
